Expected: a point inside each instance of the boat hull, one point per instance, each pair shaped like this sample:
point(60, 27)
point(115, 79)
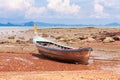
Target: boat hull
point(70, 55)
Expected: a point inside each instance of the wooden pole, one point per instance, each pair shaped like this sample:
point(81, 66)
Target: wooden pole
point(35, 30)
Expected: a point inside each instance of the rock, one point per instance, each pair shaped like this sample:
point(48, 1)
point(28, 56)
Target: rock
point(70, 38)
point(83, 37)
point(58, 36)
point(117, 38)
point(30, 40)
point(90, 39)
point(22, 38)
point(104, 34)
point(2, 42)
point(11, 41)
point(20, 41)
point(100, 38)
point(45, 35)
point(64, 40)
point(93, 36)
point(11, 37)
point(108, 39)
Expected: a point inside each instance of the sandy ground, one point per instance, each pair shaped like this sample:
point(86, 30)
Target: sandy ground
point(20, 60)
point(62, 75)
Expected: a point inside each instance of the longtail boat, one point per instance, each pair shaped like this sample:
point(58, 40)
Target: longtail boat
point(61, 52)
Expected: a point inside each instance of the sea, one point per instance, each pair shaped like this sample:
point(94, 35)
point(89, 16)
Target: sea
point(42, 27)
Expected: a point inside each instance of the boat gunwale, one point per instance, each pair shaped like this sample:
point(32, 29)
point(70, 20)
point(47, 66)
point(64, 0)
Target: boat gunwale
point(65, 50)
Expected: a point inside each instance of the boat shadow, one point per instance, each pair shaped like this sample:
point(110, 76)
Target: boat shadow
point(52, 59)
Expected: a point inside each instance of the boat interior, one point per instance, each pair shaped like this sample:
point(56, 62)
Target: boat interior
point(52, 45)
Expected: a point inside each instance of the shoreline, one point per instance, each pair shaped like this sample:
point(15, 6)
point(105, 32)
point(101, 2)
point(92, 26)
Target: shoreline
point(57, 27)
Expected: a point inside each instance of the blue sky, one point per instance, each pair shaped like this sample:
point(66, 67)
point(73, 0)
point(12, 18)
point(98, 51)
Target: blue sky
point(60, 11)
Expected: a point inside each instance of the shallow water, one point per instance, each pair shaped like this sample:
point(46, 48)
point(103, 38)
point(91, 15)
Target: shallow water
point(106, 60)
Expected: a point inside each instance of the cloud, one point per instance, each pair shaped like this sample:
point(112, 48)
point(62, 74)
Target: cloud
point(10, 7)
point(99, 10)
point(20, 8)
point(35, 13)
point(63, 6)
point(106, 8)
point(59, 10)
point(111, 3)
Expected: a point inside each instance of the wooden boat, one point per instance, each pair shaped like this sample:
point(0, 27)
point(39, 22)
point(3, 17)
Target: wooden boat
point(61, 52)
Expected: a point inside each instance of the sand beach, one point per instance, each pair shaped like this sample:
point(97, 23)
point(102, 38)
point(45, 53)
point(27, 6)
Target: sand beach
point(20, 60)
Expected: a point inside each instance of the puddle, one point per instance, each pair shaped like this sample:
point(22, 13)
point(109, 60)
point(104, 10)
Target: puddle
point(91, 61)
point(104, 55)
point(116, 67)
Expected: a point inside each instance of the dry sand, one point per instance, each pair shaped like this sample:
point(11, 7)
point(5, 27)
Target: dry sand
point(20, 60)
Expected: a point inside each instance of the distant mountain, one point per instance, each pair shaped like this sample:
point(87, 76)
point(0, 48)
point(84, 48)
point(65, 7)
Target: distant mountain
point(49, 24)
point(113, 24)
point(8, 24)
point(31, 23)
point(1, 24)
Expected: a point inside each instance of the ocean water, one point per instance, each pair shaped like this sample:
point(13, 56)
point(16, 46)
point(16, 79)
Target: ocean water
point(30, 27)
point(42, 26)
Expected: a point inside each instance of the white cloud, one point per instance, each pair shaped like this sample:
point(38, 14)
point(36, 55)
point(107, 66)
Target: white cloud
point(58, 9)
point(106, 8)
point(63, 6)
point(99, 10)
point(35, 13)
point(111, 3)
point(24, 8)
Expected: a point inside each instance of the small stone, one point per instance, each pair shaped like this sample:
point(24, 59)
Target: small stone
point(44, 35)
point(11, 37)
point(117, 38)
point(2, 42)
point(83, 37)
point(108, 39)
point(58, 36)
point(20, 41)
point(22, 38)
point(90, 39)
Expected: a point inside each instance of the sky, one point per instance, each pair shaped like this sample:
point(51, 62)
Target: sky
point(60, 11)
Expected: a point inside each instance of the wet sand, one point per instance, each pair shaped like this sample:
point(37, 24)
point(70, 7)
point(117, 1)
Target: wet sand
point(19, 58)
